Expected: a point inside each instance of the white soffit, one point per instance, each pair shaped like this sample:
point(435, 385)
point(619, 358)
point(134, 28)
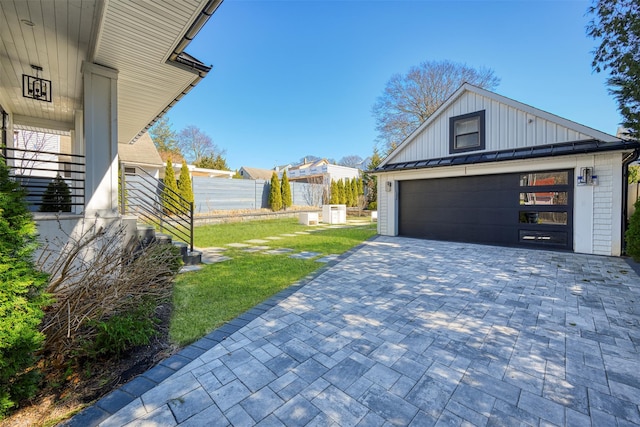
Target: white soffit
point(134, 37)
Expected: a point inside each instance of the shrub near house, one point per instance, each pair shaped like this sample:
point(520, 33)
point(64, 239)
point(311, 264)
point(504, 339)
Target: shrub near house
point(21, 300)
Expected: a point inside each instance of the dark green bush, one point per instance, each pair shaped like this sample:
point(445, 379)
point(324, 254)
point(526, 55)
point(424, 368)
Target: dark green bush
point(632, 234)
point(123, 331)
point(57, 196)
point(21, 299)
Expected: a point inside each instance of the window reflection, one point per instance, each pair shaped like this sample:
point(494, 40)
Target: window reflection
point(548, 218)
point(545, 198)
point(537, 179)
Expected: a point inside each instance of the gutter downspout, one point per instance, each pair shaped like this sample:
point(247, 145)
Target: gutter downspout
point(630, 158)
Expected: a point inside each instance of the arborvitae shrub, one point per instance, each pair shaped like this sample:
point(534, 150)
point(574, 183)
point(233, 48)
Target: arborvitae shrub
point(286, 191)
point(342, 194)
point(57, 196)
point(632, 234)
point(354, 192)
point(335, 196)
point(184, 186)
point(169, 199)
point(21, 298)
point(275, 195)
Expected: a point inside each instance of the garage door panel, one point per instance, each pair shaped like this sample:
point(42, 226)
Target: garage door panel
point(485, 209)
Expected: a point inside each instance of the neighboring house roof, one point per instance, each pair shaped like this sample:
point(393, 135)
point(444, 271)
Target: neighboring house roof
point(143, 152)
point(255, 173)
point(548, 135)
point(308, 165)
point(167, 155)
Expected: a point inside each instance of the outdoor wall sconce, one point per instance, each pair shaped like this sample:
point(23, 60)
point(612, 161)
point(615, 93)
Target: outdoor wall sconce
point(587, 177)
point(35, 87)
point(388, 185)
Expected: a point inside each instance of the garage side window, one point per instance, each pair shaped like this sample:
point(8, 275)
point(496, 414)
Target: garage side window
point(466, 132)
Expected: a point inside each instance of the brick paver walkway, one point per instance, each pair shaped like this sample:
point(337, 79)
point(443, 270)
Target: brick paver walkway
point(413, 332)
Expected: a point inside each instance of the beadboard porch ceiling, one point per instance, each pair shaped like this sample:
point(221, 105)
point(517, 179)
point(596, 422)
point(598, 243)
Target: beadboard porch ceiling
point(135, 37)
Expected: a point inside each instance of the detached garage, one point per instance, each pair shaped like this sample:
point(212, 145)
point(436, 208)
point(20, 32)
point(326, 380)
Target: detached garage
point(486, 169)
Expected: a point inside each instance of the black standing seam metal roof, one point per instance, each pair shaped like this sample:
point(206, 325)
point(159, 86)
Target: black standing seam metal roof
point(551, 150)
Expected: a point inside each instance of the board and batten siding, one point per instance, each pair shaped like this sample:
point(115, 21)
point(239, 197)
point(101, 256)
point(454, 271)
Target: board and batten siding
point(506, 127)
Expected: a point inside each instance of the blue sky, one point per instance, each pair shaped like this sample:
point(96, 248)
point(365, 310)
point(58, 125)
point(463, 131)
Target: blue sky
point(295, 78)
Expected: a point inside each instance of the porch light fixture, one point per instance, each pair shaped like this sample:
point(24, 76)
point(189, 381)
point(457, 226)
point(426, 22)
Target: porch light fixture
point(587, 177)
point(36, 87)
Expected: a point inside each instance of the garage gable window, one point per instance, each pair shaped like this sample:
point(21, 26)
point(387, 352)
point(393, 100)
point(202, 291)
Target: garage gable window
point(466, 132)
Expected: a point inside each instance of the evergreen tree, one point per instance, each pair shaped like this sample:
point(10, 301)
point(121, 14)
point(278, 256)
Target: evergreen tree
point(286, 191)
point(335, 196)
point(632, 234)
point(57, 196)
point(354, 192)
point(164, 138)
point(275, 195)
point(169, 199)
point(616, 25)
point(21, 298)
point(184, 186)
point(212, 162)
point(348, 194)
point(342, 197)
point(371, 182)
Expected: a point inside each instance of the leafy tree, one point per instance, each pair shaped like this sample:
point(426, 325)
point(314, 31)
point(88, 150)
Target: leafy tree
point(237, 175)
point(169, 200)
point(164, 138)
point(287, 200)
point(195, 144)
point(334, 199)
point(634, 174)
point(616, 24)
point(21, 297)
point(212, 162)
point(275, 195)
point(409, 99)
point(184, 186)
point(352, 161)
point(57, 196)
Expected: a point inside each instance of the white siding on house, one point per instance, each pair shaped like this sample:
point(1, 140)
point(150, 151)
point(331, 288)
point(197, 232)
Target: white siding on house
point(505, 127)
point(597, 209)
point(607, 202)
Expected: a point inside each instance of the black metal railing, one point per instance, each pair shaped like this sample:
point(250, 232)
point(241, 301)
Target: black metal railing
point(54, 182)
point(143, 195)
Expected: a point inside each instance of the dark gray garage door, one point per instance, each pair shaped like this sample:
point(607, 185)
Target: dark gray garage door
point(521, 209)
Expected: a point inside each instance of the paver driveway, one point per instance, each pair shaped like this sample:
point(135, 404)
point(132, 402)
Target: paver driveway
point(415, 332)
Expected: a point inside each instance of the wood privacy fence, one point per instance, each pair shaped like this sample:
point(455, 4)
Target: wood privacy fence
point(215, 194)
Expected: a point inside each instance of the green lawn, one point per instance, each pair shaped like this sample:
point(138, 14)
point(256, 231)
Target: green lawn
point(206, 299)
